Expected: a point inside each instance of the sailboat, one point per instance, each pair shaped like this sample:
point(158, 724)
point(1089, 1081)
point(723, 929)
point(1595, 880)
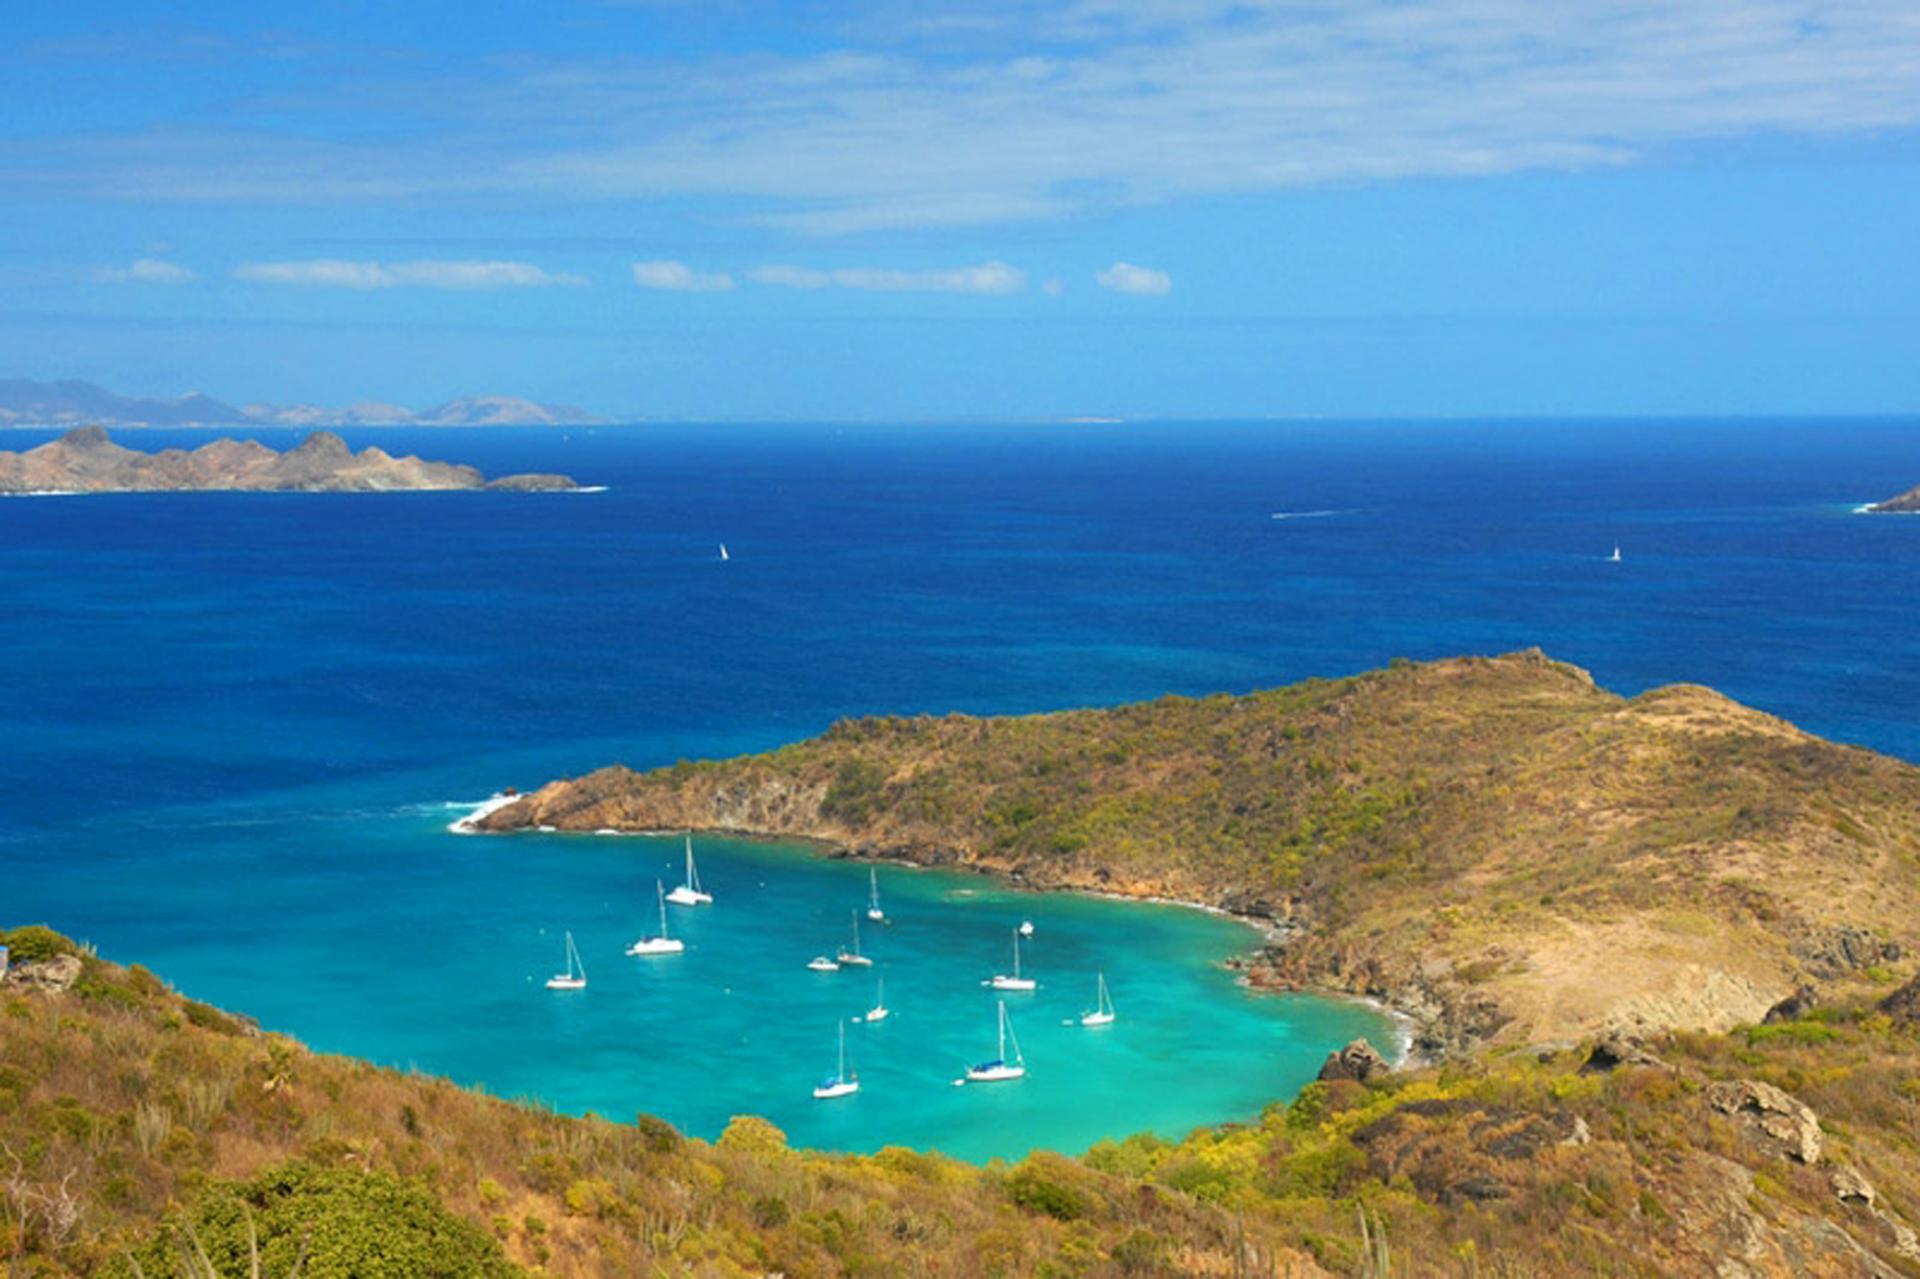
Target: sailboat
point(988, 1072)
point(689, 894)
point(821, 964)
point(1615, 557)
point(879, 1011)
point(663, 944)
point(874, 912)
point(1102, 1014)
point(840, 1083)
point(854, 957)
point(1002, 981)
point(724, 557)
point(575, 978)
point(1026, 928)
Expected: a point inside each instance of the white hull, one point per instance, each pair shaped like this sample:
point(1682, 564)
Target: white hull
point(684, 896)
point(1013, 983)
point(877, 915)
point(566, 983)
point(1097, 1019)
point(657, 946)
point(820, 964)
point(826, 1092)
point(995, 1074)
point(854, 961)
point(1026, 928)
point(879, 1014)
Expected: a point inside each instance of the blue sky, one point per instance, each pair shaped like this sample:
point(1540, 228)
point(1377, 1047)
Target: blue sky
point(990, 208)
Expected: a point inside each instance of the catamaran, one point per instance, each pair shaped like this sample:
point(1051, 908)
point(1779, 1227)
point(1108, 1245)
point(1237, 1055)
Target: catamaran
point(663, 944)
point(840, 1083)
point(1004, 981)
point(575, 978)
point(689, 894)
point(874, 912)
point(989, 1072)
point(854, 958)
point(1102, 1014)
point(879, 1011)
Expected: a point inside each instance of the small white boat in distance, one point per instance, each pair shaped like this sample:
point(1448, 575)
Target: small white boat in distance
point(575, 978)
point(689, 894)
point(1000, 1068)
point(853, 958)
point(1102, 1014)
point(1026, 928)
point(873, 896)
point(821, 964)
point(663, 944)
point(879, 1011)
point(724, 557)
point(840, 1083)
point(1615, 557)
point(1013, 981)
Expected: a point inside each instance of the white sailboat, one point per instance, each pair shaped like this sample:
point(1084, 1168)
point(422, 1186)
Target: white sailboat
point(879, 1011)
point(575, 978)
point(853, 958)
point(874, 912)
point(1013, 981)
point(1000, 1068)
point(821, 964)
point(1102, 1014)
point(1026, 928)
point(724, 557)
point(663, 944)
point(1615, 557)
point(840, 1083)
point(689, 894)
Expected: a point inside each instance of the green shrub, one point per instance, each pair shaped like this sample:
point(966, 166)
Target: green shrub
point(658, 1135)
point(1033, 1189)
point(35, 944)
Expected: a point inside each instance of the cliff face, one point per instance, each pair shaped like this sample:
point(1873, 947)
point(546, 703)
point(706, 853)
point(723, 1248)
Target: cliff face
point(1907, 503)
point(88, 461)
point(1496, 845)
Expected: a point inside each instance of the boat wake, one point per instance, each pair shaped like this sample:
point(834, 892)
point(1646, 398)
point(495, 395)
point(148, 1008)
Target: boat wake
point(1311, 515)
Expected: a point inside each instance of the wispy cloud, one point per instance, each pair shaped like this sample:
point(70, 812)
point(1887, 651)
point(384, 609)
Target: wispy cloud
point(1125, 277)
point(1030, 109)
point(988, 277)
point(341, 273)
point(678, 276)
point(145, 271)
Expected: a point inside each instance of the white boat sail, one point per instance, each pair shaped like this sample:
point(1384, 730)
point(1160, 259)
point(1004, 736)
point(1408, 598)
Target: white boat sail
point(689, 893)
point(663, 944)
point(841, 1083)
point(575, 978)
point(1013, 980)
point(1615, 557)
point(879, 1011)
point(873, 896)
point(724, 557)
point(1001, 1068)
point(853, 958)
point(1102, 1014)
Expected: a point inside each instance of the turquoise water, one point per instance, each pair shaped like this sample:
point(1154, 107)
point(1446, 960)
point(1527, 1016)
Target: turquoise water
point(231, 723)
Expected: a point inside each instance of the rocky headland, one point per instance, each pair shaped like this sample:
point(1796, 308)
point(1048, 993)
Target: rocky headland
point(1907, 503)
point(1494, 846)
point(86, 460)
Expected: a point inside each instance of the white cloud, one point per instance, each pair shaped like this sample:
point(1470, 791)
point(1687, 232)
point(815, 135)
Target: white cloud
point(988, 277)
point(145, 271)
point(667, 274)
point(1125, 277)
point(340, 273)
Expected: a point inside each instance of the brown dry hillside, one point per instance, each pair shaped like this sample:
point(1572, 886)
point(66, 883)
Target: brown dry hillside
point(1495, 844)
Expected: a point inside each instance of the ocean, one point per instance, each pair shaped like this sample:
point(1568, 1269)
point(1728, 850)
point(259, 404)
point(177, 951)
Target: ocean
point(234, 724)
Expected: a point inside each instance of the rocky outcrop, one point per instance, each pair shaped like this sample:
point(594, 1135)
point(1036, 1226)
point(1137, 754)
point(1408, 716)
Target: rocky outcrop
point(1906, 504)
point(1455, 1151)
point(1771, 1118)
point(1793, 1007)
point(1611, 1052)
point(48, 976)
point(1836, 952)
point(1357, 1061)
point(1903, 1005)
point(88, 461)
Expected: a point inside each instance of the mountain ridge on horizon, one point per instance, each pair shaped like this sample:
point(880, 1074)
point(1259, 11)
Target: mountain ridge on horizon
point(73, 401)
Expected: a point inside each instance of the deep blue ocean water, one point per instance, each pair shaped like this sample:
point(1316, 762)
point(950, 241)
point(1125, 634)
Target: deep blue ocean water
point(232, 723)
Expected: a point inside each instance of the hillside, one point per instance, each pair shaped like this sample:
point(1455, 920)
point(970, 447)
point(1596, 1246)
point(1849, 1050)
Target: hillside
point(1498, 846)
point(142, 1133)
point(86, 460)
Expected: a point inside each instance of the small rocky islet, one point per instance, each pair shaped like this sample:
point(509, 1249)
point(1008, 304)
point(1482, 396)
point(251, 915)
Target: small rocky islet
point(1907, 503)
point(87, 460)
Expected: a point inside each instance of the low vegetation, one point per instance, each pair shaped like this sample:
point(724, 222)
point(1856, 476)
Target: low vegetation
point(140, 1139)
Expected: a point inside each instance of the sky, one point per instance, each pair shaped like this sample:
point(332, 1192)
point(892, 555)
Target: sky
point(981, 209)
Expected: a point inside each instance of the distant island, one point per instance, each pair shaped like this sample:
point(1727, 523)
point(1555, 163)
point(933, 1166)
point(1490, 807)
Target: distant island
point(1907, 503)
point(24, 402)
point(88, 461)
